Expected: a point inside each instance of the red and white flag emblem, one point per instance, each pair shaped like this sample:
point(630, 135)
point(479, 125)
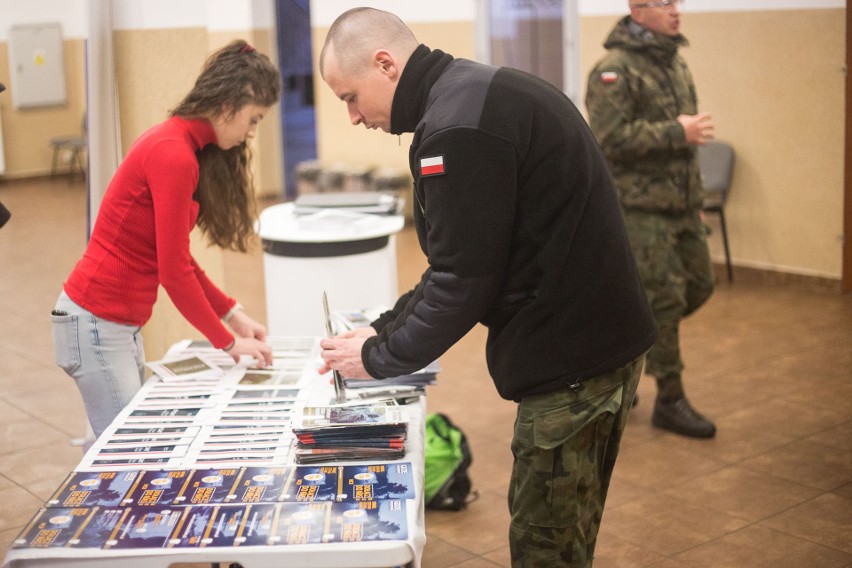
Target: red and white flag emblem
point(609, 76)
point(432, 166)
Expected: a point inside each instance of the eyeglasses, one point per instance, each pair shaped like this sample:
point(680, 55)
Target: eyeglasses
point(667, 4)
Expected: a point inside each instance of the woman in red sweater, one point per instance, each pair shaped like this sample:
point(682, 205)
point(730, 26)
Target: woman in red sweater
point(191, 169)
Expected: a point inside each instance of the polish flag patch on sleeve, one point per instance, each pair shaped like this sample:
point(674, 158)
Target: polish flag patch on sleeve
point(609, 77)
point(433, 166)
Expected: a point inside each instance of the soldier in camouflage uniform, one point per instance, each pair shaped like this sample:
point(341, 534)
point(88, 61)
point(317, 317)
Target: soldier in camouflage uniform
point(644, 112)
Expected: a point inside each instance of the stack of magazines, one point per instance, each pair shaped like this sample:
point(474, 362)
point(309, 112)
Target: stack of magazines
point(374, 431)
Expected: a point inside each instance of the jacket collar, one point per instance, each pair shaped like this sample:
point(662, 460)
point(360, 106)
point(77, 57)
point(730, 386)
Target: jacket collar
point(423, 69)
point(630, 36)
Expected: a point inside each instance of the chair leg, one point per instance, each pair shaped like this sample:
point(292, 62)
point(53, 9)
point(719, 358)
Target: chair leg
point(78, 160)
point(725, 243)
point(55, 160)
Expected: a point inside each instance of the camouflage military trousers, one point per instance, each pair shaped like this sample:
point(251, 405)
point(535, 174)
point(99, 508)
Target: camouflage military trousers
point(565, 445)
point(674, 264)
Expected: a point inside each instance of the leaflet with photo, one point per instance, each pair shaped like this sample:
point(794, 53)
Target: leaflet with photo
point(104, 464)
point(262, 484)
point(224, 525)
point(107, 451)
point(266, 394)
point(370, 482)
point(210, 486)
point(99, 528)
point(160, 488)
point(54, 527)
point(263, 378)
point(194, 527)
point(192, 367)
point(90, 488)
point(315, 483)
point(301, 523)
point(145, 527)
point(369, 521)
point(380, 413)
point(152, 431)
point(257, 524)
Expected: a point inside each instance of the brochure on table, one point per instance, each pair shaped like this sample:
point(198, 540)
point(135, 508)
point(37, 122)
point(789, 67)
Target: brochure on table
point(202, 458)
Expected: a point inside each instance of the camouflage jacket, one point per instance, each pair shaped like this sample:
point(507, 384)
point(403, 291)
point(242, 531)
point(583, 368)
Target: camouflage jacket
point(634, 96)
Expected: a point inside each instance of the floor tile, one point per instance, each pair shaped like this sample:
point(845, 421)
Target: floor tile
point(60, 408)
point(613, 552)
point(826, 520)
point(439, 553)
point(806, 463)
point(26, 434)
point(48, 463)
point(501, 557)
point(761, 546)
point(485, 522)
point(15, 499)
point(742, 493)
point(666, 525)
point(661, 465)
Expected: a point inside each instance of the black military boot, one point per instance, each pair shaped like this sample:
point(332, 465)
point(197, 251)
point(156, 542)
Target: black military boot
point(679, 417)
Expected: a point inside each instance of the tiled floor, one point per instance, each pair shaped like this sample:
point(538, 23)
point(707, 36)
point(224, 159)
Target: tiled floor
point(772, 365)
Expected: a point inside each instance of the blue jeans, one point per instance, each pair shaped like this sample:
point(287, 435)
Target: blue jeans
point(105, 359)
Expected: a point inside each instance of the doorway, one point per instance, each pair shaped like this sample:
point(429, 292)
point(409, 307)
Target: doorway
point(298, 118)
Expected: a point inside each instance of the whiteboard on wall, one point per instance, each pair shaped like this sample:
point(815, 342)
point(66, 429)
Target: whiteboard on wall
point(36, 66)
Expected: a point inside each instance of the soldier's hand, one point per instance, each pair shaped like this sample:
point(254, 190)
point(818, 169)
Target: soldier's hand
point(698, 128)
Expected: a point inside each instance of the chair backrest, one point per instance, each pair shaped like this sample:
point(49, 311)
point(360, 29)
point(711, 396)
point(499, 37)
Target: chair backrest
point(716, 160)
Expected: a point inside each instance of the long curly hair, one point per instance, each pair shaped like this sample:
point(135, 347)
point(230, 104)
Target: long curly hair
point(232, 77)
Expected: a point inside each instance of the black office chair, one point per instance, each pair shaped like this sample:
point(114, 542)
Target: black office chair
point(717, 169)
point(76, 145)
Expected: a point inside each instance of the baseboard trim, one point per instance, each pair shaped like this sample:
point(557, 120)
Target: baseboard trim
point(761, 276)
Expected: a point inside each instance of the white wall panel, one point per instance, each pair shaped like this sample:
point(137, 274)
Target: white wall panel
point(323, 12)
point(609, 7)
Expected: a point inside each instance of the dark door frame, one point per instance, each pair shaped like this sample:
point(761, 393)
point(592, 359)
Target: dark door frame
point(846, 283)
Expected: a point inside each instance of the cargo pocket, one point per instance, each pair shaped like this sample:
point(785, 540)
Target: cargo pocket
point(569, 445)
point(66, 347)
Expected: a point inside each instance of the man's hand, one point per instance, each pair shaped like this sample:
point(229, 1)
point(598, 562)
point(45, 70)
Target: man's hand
point(698, 128)
point(343, 353)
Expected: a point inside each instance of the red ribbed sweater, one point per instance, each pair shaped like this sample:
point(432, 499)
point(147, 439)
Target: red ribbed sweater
point(141, 236)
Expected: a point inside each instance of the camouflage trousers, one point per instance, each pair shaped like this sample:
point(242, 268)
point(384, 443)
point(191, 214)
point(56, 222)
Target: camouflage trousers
point(565, 445)
point(674, 264)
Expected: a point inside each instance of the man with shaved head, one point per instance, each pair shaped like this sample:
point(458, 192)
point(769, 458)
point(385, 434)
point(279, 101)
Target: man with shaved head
point(644, 112)
point(516, 213)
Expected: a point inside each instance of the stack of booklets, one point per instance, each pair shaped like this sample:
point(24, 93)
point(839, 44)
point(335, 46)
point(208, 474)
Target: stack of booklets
point(251, 506)
point(359, 432)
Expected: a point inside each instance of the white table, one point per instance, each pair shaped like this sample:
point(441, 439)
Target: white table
point(376, 554)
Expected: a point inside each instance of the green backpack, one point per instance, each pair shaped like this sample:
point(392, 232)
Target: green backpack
point(447, 485)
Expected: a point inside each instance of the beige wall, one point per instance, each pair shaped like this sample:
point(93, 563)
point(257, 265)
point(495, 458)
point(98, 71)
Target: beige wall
point(27, 132)
point(774, 84)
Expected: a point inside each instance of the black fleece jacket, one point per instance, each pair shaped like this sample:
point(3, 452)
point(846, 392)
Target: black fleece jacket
point(517, 215)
